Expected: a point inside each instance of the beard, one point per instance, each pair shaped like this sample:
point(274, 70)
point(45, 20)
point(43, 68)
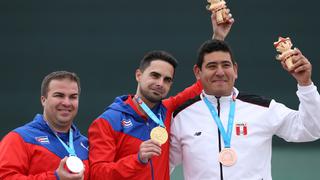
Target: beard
point(151, 96)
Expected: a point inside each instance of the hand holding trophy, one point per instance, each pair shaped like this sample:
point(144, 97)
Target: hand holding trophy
point(220, 9)
point(283, 46)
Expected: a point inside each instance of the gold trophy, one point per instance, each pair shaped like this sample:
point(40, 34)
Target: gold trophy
point(219, 7)
point(283, 46)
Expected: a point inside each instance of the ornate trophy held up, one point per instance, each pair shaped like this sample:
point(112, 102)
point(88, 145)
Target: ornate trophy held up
point(219, 7)
point(283, 46)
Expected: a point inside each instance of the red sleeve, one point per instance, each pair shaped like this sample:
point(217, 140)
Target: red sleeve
point(190, 92)
point(102, 152)
point(14, 160)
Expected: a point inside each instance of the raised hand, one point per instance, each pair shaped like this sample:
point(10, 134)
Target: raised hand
point(220, 31)
point(301, 69)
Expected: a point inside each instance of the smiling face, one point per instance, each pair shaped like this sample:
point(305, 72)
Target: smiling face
point(155, 81)
point(217, 73)
point(60, 104)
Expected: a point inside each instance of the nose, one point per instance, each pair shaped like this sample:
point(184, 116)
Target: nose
point(160, 82)
point(220, 71)
point(66, 101)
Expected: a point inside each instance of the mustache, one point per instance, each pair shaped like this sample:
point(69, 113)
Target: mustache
point(221, 79)
point(158, 89)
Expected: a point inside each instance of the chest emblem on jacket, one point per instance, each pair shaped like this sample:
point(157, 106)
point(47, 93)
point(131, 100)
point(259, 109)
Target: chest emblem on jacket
point(241, 129)
point(126, 123)
point(42, 139)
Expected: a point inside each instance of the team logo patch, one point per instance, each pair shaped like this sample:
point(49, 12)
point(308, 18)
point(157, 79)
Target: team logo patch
point(197, 133)
point(43, 139)
point(241, 129)
point(126, 123)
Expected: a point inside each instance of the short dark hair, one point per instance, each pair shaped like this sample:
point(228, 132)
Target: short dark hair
point(210, 46)
point(157, 55)
point(58, 75)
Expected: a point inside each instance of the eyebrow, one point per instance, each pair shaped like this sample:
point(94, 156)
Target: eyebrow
point(156, 73)
point(60, 93)
point(220, 62)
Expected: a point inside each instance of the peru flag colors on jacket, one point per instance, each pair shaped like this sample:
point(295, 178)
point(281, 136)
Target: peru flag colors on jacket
point(33, 152)
point(116, 135)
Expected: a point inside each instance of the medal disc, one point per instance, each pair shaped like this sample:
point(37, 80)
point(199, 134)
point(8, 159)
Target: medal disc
point(227, 157)
point(159, 134)
point(74, 164)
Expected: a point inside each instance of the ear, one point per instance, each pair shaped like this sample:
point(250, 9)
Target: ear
point(138, 75)
point(43, 100)
point(235, 69)
point(196, 71)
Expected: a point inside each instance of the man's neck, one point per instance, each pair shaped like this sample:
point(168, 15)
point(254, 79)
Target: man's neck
point(57, 128)
point(60, 129)
point(217, 95)
point(149, 104)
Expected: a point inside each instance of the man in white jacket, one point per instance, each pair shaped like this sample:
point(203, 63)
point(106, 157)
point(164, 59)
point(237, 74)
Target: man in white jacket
point(225, 134)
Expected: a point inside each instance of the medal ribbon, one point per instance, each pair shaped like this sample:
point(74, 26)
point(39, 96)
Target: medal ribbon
point(69, 148)
point(147, 110)
point(225, 135)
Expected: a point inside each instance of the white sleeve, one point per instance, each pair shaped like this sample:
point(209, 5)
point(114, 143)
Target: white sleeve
point(302, 125)
point(175, 146)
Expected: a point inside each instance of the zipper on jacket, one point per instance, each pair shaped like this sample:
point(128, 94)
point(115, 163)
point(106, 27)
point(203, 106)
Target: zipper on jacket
point(152, 175)
point(148, 126)
point(219, 138)
point(151, 165)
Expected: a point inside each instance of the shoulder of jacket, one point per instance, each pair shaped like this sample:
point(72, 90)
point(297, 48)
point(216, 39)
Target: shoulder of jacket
point(254, 99)
point(186, 104)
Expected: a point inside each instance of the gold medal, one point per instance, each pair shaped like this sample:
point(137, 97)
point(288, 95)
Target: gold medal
point(74, 164)
point(159, 134)
point(227, 157)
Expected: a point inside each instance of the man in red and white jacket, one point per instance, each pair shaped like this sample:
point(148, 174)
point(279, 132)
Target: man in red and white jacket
point(120, 145)
point(34, 151)
point(199, 132)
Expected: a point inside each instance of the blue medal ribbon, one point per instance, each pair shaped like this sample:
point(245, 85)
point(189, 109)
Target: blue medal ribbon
point(69, 148)
point(225, 135)
point(147, 110)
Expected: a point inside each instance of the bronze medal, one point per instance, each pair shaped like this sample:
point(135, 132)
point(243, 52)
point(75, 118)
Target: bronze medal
point(74, 164)
point(227, 157)
point(159, 134)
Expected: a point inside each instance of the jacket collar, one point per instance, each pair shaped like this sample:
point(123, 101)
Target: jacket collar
point(40, 123)
point(214, 99)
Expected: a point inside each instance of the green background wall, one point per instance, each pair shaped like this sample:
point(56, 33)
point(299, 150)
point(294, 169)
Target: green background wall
point(103, 41)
